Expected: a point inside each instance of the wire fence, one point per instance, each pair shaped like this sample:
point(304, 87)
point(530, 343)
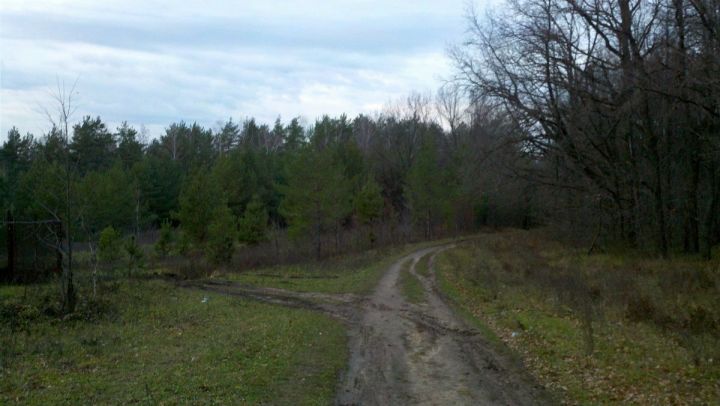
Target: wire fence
point(29, 249)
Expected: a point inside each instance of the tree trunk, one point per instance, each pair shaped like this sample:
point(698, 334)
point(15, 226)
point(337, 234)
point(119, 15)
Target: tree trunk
point(68, 285)
point(711, 216)
point(692, 229)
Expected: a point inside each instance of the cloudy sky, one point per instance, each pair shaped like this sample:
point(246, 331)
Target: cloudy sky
point(155, 62)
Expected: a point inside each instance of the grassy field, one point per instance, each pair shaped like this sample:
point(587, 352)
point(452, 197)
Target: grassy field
point(148, 342)
point(611, 328)
point(410, 286)
point(356, 273)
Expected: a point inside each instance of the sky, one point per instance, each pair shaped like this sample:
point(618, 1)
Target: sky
point(152, 63)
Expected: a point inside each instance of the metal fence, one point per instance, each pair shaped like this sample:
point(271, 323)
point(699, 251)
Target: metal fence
point(29, 249)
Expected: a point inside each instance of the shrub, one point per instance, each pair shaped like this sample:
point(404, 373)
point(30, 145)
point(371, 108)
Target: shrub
point(164, 243)
point(109, 245)
point(134, 255)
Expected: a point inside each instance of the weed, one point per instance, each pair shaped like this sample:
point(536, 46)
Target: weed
point(410, 286)
point(606, 328)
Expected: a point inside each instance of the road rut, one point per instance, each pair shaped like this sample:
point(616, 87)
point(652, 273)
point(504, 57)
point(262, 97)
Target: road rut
point(404, 353)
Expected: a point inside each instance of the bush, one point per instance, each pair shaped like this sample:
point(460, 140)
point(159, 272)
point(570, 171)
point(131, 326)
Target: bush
point(165, 242)
point(134, 255)
point(109, 245)
point(183, 243)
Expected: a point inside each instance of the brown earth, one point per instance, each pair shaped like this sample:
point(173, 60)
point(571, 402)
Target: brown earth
point(403, 353)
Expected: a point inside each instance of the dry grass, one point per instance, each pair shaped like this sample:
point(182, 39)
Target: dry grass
point(596, 329)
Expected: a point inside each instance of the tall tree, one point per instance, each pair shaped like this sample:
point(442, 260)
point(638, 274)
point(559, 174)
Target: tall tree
point(159, 181)
point(106, 198)
point(316, 196)
point(199, 199)
point(221, 235)
point(93, 146)
point(254, 222)
point(227, 138)
point(368, 205)
point(62, 208)
point(426, 189)
point(17, 154)
point(294, 135)
point(129, 149)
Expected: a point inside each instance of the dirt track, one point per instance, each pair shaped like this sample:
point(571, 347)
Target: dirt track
point(401, 353)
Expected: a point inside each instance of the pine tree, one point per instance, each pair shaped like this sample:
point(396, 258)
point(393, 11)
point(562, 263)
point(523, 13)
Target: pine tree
point(109, 245)
point(92, 146)
point(426, 191)
point(134, 254)
point(294, 135)
point(253, 224)
point(221, 235)
point(129, 149)
point(164, 242)
point(107, 199)
point(199, 199)
point(317, 196)
point(369, 206)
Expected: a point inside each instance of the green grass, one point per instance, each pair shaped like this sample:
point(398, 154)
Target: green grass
point(308, 278)
point(410, 286)
point(155, 343)
point(356, 273)
point(423, 265)
point(148, 342)
point(495, 280)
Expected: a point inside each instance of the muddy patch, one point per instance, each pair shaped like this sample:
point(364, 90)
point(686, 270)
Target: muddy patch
point(404, 353)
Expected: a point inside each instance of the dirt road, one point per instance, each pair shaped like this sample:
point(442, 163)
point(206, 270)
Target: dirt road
point(403, 353)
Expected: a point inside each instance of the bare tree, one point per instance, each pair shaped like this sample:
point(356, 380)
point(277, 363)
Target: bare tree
point(616, 103)
point(449, 106)
point(64, 107)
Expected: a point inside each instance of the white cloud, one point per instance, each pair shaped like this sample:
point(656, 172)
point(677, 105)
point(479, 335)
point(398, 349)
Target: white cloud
point(156, 62)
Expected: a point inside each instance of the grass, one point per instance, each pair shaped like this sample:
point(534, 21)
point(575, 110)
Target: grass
point(356, 273)
point(463, 303)
point(661, 349)
point(146, 341)
point(410, 286)
point(149, 342)
point(422, 267)
point(343, 278)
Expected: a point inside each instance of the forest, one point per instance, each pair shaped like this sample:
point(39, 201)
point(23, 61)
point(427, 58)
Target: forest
point(595, 121)
point(598, 117)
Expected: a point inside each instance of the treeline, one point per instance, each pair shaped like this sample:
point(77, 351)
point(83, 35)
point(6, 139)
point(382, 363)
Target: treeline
point(340, 184)
point(602, 117)
point(618, 102)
